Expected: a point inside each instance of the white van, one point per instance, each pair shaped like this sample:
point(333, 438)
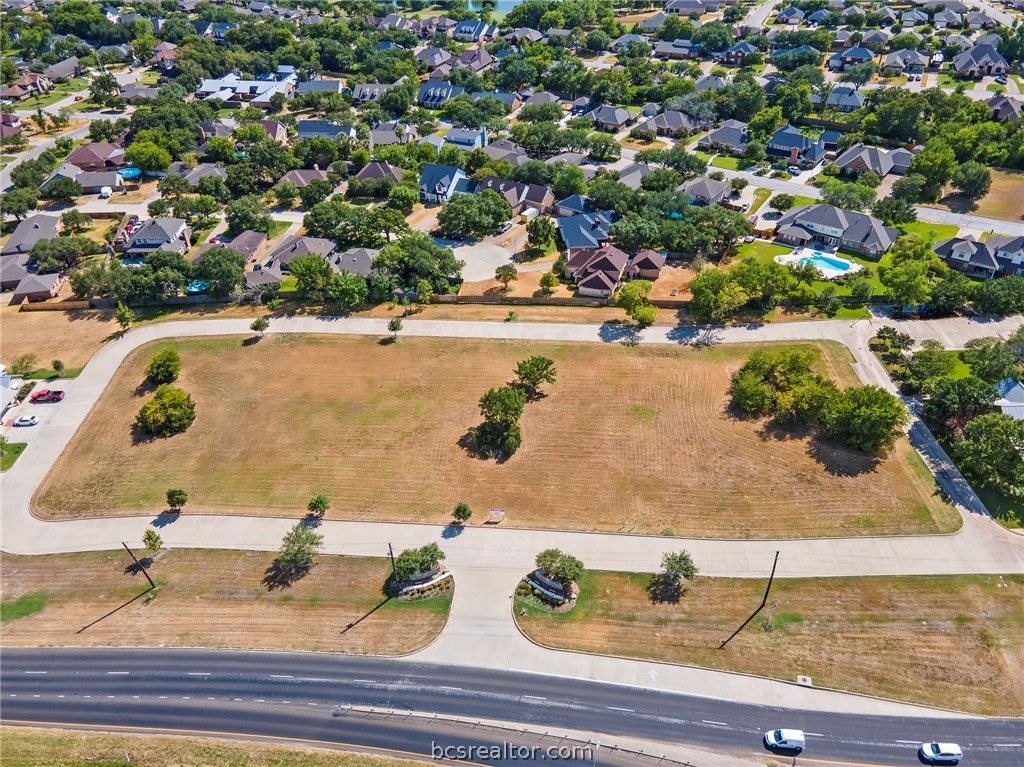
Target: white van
point(106, 192)
point(791, 740)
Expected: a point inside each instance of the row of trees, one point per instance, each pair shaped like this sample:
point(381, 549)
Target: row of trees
point(499, 435)
point(171, 410)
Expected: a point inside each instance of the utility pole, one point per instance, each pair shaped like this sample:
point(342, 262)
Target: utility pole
point(139, 565)
point(391, 553)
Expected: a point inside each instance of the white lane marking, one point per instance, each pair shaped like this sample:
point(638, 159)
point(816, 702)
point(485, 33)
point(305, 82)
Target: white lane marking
point(260, 700)
point(185, 697)
point(815, 734)
point(616, 708)
point(907, 741)
point(60, 696)
point(36, 696)
point(444, 687)
point(198, 673)
point(211, 699)
point(36, 672)
point(311, 704)
point(366, 681)
point(286, 701)
point(118, 673)
point(109, 696)
point(534, 697)
point(86, 696)
point(236, 699)
point(712, 721)
point(13, 695)
point(281, 676)
point(163, 697)
point(135, 697)
point(1006, 745)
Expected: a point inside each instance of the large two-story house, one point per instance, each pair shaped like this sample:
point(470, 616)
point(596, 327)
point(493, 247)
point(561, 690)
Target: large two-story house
point(836, 227)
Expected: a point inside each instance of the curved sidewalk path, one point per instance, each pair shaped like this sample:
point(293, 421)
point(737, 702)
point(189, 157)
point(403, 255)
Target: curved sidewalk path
point(488, 562)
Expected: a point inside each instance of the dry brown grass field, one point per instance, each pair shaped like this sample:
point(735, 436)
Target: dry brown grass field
point(27, 747)
point(208, 598)
point(948, 641)
point(629, 438)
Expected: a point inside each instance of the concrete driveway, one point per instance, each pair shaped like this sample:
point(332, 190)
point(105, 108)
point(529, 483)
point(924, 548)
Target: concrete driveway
point(481, 258)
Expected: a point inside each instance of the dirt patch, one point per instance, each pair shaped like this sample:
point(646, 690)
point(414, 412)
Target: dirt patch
point(72, 337)
point(953, 642)
point(212, 598)
point(641, 433)
point(26, 747)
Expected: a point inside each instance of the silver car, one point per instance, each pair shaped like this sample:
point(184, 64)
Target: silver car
point(941, 753)
point(27, 420)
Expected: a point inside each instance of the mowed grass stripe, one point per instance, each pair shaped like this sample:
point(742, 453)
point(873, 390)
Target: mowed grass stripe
point(377, 428)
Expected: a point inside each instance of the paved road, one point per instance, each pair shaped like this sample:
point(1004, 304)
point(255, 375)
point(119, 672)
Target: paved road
point(488, 563)
point(295, 694)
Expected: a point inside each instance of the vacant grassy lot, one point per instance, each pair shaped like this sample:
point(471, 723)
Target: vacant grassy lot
point(210, 598)
point(954, 642)
point(27, 747)
point(377, 428)
point(1004, 198)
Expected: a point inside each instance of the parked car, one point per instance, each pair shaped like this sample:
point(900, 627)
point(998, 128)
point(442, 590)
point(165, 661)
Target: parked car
point(1001, 79)
point(133, 219)
point(785, 740)
point(48, 395)
point(27, 420)
point(79, 98)
point(793, 169)
point(503, 228)
point(941, 753)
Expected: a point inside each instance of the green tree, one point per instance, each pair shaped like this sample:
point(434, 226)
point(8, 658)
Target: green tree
point(395, 327)
point(847, 195)
point(715, 295)
point(124, 317)
point(176, 499)
point(312, 274)
point(63, 189)
point(952, 403)
point(559, 566)
point(782, 202)
point(172, 186)
point(935, 164)
point(315, 191)
point(866, 418)
point(298, 548)
point(318, 505)
point(259, 325)
point(170, 412)
point(18, 202)
point(24, 364)
point(633, 298)
point(348, 290)
point(403, 198)
point(58, 367)
point(549, 282)
point(163, 367)
point(247, 212)
point(477, 214)
point(151, 540)
point(763, 124)
point(75, 221)
point(907, 282)
point(678, 566)
point(147, 156)
point(286, 193)
point(992, 452)
point(223, 268)
point(505, 274)
point(424, 292)
point(991, 359)
point(533, 371)
point(973, 179)
point(503, 405)
point(103, 87)
point(413, 562)
point(462, 512)
point(764, 282)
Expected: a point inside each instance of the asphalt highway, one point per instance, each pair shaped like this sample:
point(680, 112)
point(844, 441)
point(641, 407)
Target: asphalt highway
point(298, 695)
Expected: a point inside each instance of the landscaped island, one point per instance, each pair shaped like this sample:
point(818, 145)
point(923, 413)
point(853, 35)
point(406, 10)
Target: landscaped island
point(947, 641)
point(631, 438)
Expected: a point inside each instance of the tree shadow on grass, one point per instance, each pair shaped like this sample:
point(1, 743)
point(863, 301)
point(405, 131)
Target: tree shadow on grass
point(388, 341)
point(662, 589)
point(251, 340)
point(135, 568)
point(468, 443)
point(280, 576)
point(144, 388)
point(840, 461)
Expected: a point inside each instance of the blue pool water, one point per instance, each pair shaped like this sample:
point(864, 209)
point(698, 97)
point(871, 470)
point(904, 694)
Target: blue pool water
point(821, 261)
point(130, 172)
point(196, 287)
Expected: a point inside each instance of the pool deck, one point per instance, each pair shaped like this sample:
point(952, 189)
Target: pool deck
point(828, 272)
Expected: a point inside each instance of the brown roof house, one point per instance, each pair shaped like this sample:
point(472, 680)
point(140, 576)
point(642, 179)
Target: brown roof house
point(302, 178)
point(376, 170)
point(596, 271)
point(646, 265)
point(97, 155)
point(38, 287)
point(520, 196)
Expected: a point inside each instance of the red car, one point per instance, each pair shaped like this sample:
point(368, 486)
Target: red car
point(47, 395)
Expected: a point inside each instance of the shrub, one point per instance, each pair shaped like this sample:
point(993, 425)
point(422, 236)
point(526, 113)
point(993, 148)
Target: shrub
point(164, 367)
point(415, 561)
point(170, 412)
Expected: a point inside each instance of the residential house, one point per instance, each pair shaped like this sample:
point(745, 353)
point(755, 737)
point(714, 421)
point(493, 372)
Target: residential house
point(38, 287)
point(234, 91)
point(524, 35)
point(135, 93)
point(208, 130)
point(836, 227)
point(94, 182)
point(646, 265)
point(29, 231)
point(1005, 108)
point(979, 20)
point(116, 53)
point(670, 123)
point(519, 195)
point(171, 234)
point(793, 147)
point(378, 170)
point(1009, 252)
point(353, 261)
point(510, 100)
point(246, 244)
point(434, 93)
point(609, 118)
point(843, 60)
point(64, 70)
point(96, 155)
point(790, 15)
point(842, 98)
point(861, 158)
point(967, 255)
point(585, 231)
point(28, 84)
point(913, 18)
point(388, 133)
point(705, 191)
point(842, 39)
point(1010, 393)
point(710, 83)
point(475, 59)
point(623, 42)
point(652, 24)
point(905, 60)
point(164, 55)
point(633, 175)
point(511, 152)
point(541, 97)
point(467, 138)
point(979, 61)
point(677, 49)
point(303, 177)
point(475, 31)
point(946, 18)
point(427, 28)
point(395, 21)
point(596, 271)
point(738, 53)
point(797, 51)
point(325, 129)
point(731, 136)
point(202, 170)
point(13, 269)
point(889, 15)
point(572, 205)
point(695, 8)
point(321, 86)
point(365, 92)
point(433, 56)
point(439, 182)
point(276, 131)
point(293, 246)
point(876, 39)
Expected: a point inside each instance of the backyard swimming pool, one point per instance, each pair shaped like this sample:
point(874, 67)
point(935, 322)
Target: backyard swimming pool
point(830, 266)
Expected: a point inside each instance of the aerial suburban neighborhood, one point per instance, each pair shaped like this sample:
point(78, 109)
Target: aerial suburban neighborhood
point(491, 381)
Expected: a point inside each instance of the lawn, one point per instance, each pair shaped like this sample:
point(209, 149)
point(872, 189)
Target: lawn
point(704, 156)
point(766, 251)
point(799, 199)
point(948, 641)
point(277, 228)
point(729, 163)
point(640, 146)
point(930, 231)
point(760, 195)
point(1004, 198)
point(12, 452)
point(59, 92)
point(49, 374)
point(30, 747)
point(208, 598)
point(369, 425)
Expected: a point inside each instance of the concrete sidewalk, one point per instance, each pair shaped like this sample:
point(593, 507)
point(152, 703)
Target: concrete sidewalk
point(489, 562)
